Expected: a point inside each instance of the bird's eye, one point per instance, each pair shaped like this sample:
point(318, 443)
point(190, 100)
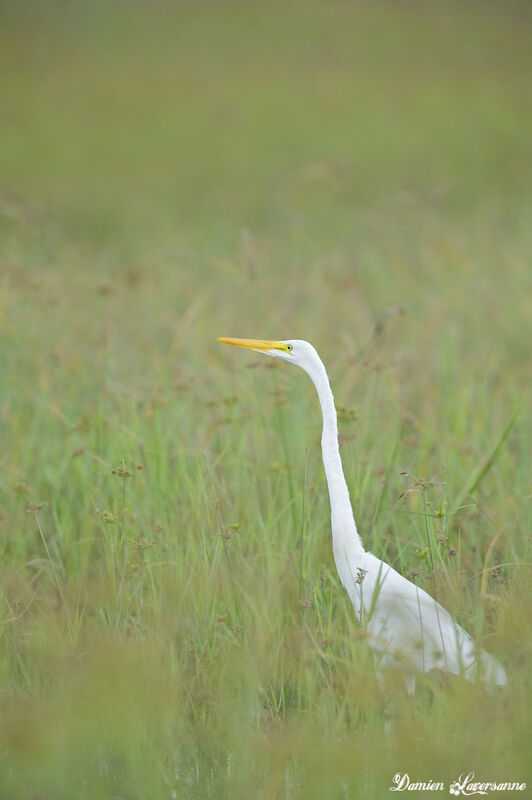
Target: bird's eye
point(289, 347)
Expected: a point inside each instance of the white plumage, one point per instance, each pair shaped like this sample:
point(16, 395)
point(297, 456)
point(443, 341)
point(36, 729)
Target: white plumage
point(406, 628)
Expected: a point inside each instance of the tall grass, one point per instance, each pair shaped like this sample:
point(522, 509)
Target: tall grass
point(171, 622)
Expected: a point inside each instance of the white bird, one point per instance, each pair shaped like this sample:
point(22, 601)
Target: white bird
point(406, 628)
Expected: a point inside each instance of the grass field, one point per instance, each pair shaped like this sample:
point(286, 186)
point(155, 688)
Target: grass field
point(355, 174)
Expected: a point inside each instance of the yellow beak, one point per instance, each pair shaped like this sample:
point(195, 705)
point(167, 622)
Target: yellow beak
point(256, 344)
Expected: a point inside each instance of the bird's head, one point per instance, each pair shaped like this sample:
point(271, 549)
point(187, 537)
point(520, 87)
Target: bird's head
point(295, 351)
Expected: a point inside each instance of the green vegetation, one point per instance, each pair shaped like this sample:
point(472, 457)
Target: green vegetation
point(358, 175)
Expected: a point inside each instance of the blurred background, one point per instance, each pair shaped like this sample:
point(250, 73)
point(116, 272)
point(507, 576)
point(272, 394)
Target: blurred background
point(287, 148)
point(358, 174)
point(310, 165)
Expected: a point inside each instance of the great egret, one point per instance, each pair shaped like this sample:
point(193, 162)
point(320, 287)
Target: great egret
point(406, 628)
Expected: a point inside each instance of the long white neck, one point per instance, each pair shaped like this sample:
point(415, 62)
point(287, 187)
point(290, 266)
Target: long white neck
point(345, 536)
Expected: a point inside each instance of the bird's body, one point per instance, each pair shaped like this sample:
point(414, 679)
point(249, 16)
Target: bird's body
point(406, 628)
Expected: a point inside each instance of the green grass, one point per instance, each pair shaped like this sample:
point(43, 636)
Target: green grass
point(354, 174)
